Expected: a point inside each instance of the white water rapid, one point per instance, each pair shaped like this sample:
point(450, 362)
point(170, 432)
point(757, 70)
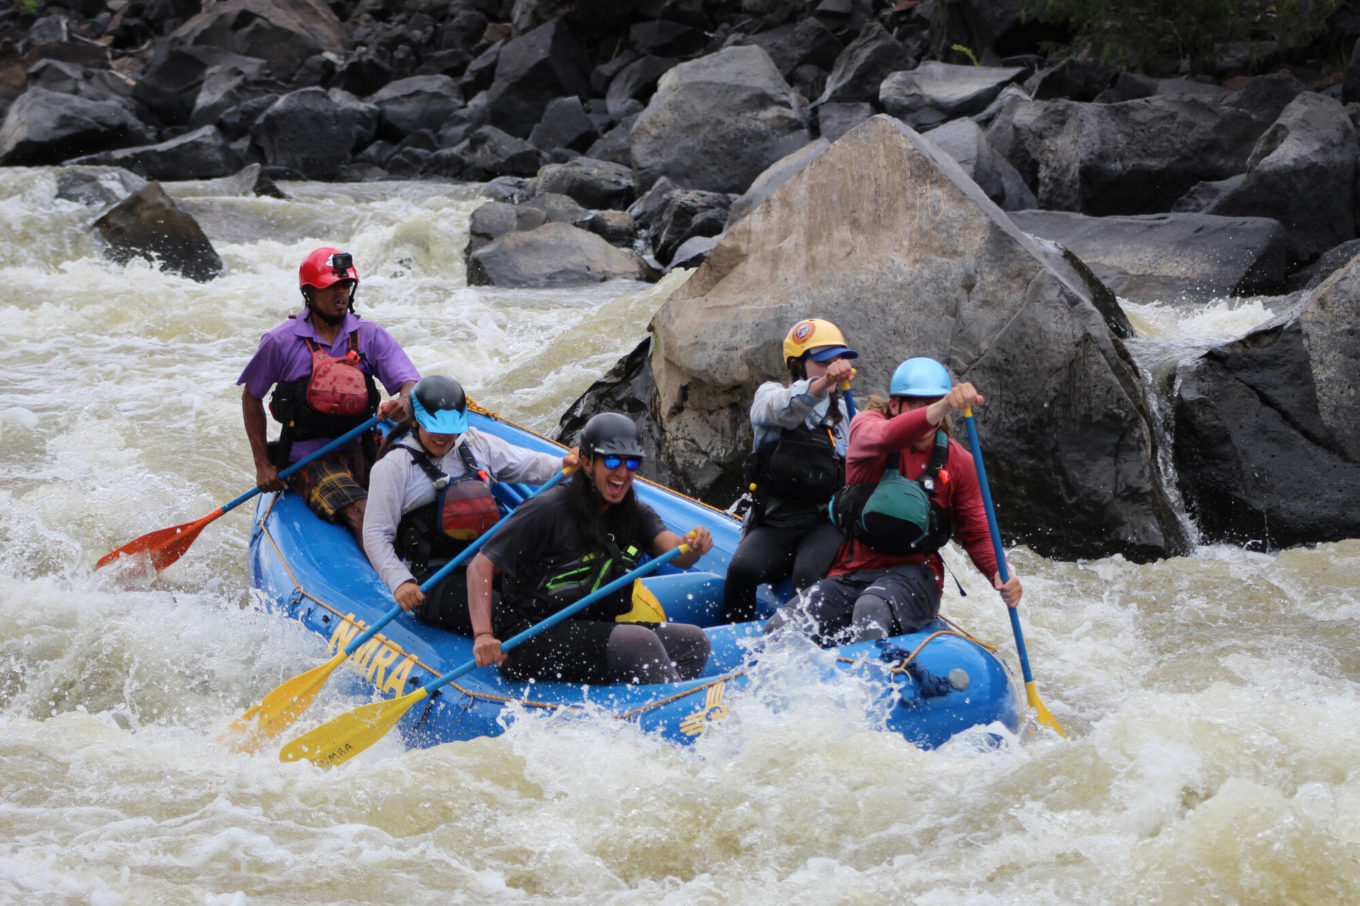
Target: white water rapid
point(1211, 701)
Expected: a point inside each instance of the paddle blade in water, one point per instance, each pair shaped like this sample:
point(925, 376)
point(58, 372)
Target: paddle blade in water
point(341, 738)
point(1045, 718)
point(164, 546)
point(278, 710)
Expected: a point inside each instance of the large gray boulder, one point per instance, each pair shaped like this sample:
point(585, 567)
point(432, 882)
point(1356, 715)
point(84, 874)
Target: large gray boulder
point(1132, 157)
point(936, 92)
point(201, 154)
point(774, 176)
point(861, 68)
point(884, 235)
point(964, 140)
point(553, 255)
point(148, 224)
point(531, 71)
point(1302, 172)
point(313, 132)
point(716, 122)
point(170, 83)
point(593, 183)
point(284, 33)
point(1268, 426)
point(43, 126)
point(97, 187)
point(414, 103)
point(1171, 257)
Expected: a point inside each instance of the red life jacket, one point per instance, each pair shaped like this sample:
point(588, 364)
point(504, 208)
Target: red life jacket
point(337, 395)
point(337, 386)
point(462, 511)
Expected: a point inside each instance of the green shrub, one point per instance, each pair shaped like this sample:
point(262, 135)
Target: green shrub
point(1163, 36)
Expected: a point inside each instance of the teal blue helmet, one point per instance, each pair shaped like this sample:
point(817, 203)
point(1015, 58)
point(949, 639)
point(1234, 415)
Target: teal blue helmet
point(920, 377)
point(439, 405)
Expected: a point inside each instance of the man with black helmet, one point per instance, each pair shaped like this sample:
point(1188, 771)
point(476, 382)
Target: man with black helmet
point(564, 543)
point(324, 364)
point(429, 497)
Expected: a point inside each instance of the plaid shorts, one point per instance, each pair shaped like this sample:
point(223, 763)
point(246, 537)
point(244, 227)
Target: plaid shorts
point(329, 485)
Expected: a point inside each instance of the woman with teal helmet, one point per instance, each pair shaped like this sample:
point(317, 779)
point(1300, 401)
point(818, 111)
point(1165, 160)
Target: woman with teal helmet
point(429, 497)
point(909, 488)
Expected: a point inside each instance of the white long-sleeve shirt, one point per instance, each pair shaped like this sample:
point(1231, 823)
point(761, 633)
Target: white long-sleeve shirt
point(398, 485)
point(777, 407)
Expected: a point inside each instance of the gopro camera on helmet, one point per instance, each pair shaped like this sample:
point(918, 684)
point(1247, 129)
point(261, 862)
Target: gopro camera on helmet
point(341, 262)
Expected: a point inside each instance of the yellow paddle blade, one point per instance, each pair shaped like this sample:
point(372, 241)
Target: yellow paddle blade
point(1048, 720)
point(341, 738)
point(647, 607)
point(278, 710)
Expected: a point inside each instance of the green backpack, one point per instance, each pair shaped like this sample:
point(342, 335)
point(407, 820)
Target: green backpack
point(897, 515)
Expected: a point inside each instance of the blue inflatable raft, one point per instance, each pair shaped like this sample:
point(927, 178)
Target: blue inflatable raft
point(931, 684)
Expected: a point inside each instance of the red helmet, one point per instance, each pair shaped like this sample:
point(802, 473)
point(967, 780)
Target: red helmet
point(324, 267)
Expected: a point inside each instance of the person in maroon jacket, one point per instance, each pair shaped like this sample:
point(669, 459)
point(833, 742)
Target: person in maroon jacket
point(909, 487)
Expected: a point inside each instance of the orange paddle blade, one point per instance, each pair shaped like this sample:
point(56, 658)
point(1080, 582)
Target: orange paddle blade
point(165, 546)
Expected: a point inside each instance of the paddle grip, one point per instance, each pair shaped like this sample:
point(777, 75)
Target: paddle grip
point(848, 395)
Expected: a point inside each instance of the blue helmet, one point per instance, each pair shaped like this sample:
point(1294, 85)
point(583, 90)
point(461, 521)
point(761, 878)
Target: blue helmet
point(439, 405)
point(920, 377)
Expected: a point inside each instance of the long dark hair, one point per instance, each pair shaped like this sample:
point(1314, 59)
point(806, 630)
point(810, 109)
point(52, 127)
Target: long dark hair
point(404, 426)
point(618, 522)
point(798, 371)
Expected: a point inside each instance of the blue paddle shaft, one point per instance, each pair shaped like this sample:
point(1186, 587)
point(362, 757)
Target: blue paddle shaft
point(987, 498)
point(310, 457)
point(996, 541)
point(563, 614)
point(442, 572)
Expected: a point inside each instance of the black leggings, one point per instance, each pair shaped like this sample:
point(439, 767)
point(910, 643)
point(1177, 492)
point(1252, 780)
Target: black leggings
point(656, 652)
point(446, 605)
point(602, 651)
point(862, 606)
point(769, 554)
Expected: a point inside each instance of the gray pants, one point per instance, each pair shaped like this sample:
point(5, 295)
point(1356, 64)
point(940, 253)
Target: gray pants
point(865, 605)
point(656, 652)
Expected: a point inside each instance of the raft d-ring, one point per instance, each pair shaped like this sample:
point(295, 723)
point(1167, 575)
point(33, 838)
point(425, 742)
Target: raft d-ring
point(466, 702)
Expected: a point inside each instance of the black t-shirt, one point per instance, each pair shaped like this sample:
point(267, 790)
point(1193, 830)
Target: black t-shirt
point(542, 533)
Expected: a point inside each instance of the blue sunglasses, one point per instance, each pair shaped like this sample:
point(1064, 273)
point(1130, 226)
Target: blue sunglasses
point(613, 462)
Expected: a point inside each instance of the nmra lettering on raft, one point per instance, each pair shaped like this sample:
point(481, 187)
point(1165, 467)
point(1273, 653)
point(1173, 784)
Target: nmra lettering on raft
point(375, 656)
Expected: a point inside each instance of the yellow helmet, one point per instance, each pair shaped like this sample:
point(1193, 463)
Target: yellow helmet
point(815, 334)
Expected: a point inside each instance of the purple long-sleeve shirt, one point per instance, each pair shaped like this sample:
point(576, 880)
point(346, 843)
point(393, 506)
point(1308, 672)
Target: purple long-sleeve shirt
point(283, 356)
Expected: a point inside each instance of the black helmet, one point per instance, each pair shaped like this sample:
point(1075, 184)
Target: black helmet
point(611, 432)
point(439, 405)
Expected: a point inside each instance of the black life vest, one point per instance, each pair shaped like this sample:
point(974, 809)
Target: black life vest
point(335, 396)
point(801, 466)
point(462, 510)
point(570, 579)
point(898, 515)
